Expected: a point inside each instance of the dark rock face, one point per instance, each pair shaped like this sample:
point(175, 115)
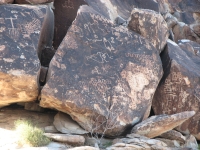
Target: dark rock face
point(65, 12)
point(102, 75)
point(178, 90)
point(6, 1)
point(22, 36)
point(151, 25)
point(34, 2)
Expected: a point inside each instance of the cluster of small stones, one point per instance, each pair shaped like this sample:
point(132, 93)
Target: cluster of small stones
point(104, 64)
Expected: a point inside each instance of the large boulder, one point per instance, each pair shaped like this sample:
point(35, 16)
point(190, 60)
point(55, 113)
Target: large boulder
point(151, 25)
point(179, 89)
point(102, 75)
point(65, 12)
point(24, 31)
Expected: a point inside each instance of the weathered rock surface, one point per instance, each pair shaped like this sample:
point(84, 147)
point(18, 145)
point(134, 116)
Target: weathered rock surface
point(67, 138)
point(150, 25)
point(23, 33)
point(33, 2)
point(65, 12)
point(6, 1)
point(50, 129)
point(179, 88)
point(102, 75)
point(173, 135)
point(156, 125)
point(32, 106)
point(65, 124)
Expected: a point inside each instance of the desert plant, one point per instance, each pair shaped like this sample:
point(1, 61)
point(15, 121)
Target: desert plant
point(28, 134)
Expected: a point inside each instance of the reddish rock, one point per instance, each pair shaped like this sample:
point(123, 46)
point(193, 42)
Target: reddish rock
point(179, 88)
point(24, 31)
point(65, 12)
point(102, 75)
point(150, 25)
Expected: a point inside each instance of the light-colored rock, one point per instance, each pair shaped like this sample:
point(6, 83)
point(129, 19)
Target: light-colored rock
point(156, 125)
point(50, 129)
point(151, 25)
point(102, 142)
point(66, 138)
point(97, 78)
point(84, 148)
point(191, 142)
point(64, 123)
point(173, 135)
point(33, 2)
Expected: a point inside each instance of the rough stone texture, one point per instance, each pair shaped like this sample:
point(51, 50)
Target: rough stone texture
point(33, 2)
point(65, 12)
point(121, 9)
point(179, 88)
point(183, 31)
point(32, 106)
point(102, 143)
point(150, 25)
point(65, 124)
point(6, 2)
point(24, 30)
point(67, 138)
point(102, 75)
point(43, 74)
point(191, 142)
point(173, 135)
point(156, 125)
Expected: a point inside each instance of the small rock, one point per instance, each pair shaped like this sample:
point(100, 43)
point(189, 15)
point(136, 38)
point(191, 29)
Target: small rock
point(66, 138)
point(43, 74)
point(156, 125)
point(6, 1)
point(191, 142)
point(65, 124)
point(173, 135)
point(84, 148)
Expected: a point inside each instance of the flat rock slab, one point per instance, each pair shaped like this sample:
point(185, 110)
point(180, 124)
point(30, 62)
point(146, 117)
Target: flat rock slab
point(23, 33)
point(179, 89)
point(173, 135)
point(67, 138)
point(156, 125)
point(151, 25)
point(103, 75)
point(65, 124)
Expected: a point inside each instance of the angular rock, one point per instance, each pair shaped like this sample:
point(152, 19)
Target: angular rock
point(43, 74)
point(156, 125)
point(65, 12)
point(65, 124)
point(170, 143)
point(6, 2)
point(32, 106)
point(191, 142)
point(183, 31)
point(33, 2)
point(24, 31)
point(179, 89)
point(99, 79)
point(173, 135)
point(196, 28)
point(67, 138)
point(150, 25)
point(102, 143)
